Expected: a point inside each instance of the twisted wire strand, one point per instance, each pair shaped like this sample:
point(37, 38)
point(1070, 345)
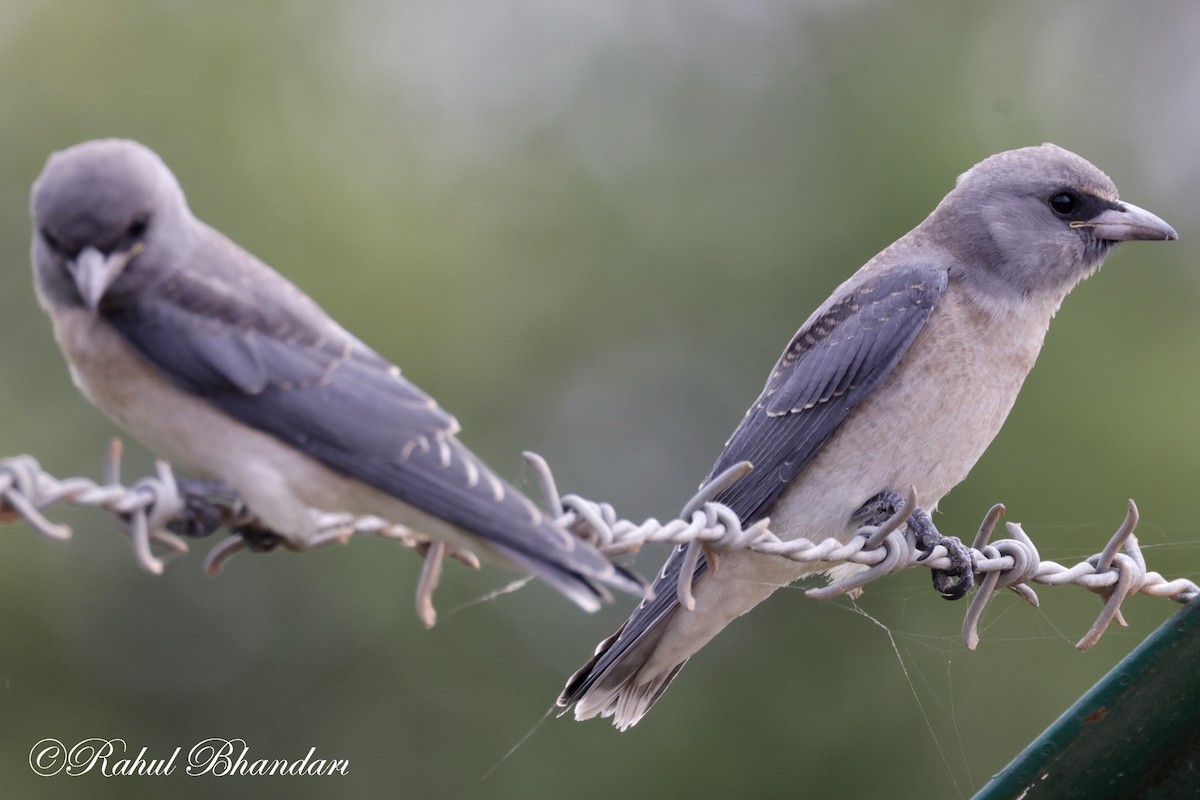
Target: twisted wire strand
point(146, 508)
point(1012, 563)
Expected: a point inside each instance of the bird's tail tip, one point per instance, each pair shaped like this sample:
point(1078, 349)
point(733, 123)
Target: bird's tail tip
point(624, 703)
point(584, 581)
point(609, 685)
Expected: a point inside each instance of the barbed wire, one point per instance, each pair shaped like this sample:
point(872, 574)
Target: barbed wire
point(166, 510)
point(163, 510)
point(1012, 563)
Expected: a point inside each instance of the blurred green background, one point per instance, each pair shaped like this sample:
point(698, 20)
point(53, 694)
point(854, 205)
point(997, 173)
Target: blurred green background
point(588, 229)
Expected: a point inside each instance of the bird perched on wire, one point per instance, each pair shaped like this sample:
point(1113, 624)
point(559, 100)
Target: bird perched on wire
point(217, 362)
point(900, 379)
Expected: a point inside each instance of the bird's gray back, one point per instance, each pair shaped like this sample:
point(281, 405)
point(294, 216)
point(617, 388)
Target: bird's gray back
point(225, 327)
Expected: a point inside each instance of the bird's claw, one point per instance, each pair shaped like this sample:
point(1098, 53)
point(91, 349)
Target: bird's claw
point(952, 583)
point(258, 538)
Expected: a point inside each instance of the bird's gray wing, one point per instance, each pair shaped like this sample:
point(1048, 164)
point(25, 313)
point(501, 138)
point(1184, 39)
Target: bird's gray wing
point(831, 365)
point(265, 354)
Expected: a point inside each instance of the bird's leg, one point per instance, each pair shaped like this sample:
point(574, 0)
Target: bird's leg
point(952, 583)
point(878, 510)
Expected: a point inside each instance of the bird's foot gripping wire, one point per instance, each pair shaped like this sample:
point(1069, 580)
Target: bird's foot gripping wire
point(208, 505)
point(952, 583)
point(165, 508)
point(257, 537)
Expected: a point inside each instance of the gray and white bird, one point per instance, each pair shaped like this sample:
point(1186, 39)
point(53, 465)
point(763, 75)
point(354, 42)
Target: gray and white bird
point(901, 378)
point(215, 361)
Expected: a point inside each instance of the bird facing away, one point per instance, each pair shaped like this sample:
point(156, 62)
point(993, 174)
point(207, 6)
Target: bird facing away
point(901, 378)
point(214, 360)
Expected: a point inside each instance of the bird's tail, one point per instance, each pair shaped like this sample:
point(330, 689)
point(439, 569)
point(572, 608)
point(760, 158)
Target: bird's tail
point(582, 575)
point(611, 684)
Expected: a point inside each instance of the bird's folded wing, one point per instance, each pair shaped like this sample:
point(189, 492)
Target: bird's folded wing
point(831, 365)
point(284, 367)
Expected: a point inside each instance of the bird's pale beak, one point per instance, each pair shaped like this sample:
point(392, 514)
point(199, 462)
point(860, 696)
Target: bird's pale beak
point(94, 272)
point(1127, 223)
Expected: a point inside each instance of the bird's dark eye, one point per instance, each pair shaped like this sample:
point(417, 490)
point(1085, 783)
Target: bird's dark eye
point(138, 227)
point(51, 241)
point(1064, 203)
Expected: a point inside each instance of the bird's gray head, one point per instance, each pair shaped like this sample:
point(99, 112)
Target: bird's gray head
point(97, 207)
point(1036, 221)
